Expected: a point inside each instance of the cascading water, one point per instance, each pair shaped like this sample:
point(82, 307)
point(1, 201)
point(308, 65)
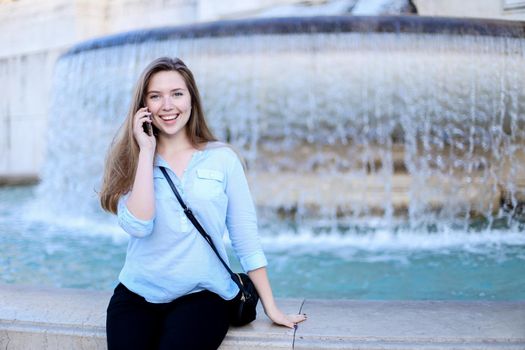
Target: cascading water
point(360, 134)
point(329, 122)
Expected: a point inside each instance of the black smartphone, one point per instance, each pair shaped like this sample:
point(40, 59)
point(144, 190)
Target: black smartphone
point(147, 127)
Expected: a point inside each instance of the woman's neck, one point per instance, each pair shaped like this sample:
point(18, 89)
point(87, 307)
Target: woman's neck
point(172, 145)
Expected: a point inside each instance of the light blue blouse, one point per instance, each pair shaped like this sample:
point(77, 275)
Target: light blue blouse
point(166, 256)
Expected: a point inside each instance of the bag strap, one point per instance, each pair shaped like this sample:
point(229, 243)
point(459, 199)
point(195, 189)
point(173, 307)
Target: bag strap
point(236, 278)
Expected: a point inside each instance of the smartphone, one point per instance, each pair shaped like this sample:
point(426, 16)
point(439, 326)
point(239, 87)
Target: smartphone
point(148, 129)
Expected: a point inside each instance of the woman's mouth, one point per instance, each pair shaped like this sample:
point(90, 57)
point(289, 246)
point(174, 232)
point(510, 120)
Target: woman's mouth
point(169, 118)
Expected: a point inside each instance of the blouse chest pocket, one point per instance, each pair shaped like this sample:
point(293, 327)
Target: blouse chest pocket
point(208, 183)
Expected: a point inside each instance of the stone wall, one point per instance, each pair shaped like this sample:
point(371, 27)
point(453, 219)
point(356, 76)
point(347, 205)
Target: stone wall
point(32, 36)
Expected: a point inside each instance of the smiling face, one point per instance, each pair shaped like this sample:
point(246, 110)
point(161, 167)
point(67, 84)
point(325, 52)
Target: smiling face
point(169, 101)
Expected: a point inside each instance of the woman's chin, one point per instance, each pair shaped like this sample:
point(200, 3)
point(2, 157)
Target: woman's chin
point(169, 132)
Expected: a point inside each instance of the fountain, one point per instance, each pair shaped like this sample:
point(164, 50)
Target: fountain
point(340, 116)
point(367, 139)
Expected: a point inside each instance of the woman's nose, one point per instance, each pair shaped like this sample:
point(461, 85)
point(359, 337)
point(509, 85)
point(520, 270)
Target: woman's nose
point(167, 103)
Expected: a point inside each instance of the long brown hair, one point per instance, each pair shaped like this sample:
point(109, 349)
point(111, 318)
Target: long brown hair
point(122, 158)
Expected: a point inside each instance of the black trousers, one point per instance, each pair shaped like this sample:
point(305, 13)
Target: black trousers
point(194, 321)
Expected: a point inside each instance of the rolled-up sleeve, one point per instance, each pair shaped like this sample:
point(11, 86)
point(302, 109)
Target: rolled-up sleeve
point(130, 223)
point(241, 220)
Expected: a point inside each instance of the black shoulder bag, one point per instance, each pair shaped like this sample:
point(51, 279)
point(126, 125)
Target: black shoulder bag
point(243, 306)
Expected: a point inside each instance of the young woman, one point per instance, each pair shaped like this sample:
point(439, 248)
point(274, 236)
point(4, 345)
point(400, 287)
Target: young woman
point(173, 291)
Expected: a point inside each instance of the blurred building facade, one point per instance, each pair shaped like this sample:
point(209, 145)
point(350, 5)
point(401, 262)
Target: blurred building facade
point(495, 9)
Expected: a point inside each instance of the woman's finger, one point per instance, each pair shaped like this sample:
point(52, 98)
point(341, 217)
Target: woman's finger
point(290, 320)
point(283, 320)
point(141, 120)
point(144, 118)
point(142, 114)
point(296, 318)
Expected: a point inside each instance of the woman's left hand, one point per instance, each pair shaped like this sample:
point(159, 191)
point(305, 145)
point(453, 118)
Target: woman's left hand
point(262, 284)
point(280, 318)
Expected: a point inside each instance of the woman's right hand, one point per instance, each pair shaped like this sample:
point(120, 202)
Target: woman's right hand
point(146, 142)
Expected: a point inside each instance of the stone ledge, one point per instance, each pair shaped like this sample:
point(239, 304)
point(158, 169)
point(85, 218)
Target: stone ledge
point(53, 318)
point(19, 180)
point(347, 324)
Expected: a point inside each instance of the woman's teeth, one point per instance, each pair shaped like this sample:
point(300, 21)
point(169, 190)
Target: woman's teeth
point(169, 117)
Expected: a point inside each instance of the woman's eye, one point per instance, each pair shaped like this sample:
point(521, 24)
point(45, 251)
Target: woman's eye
point(178, 94)
point(154, 97)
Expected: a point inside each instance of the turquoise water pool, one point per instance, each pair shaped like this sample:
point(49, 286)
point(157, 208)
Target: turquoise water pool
point(354, 261)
